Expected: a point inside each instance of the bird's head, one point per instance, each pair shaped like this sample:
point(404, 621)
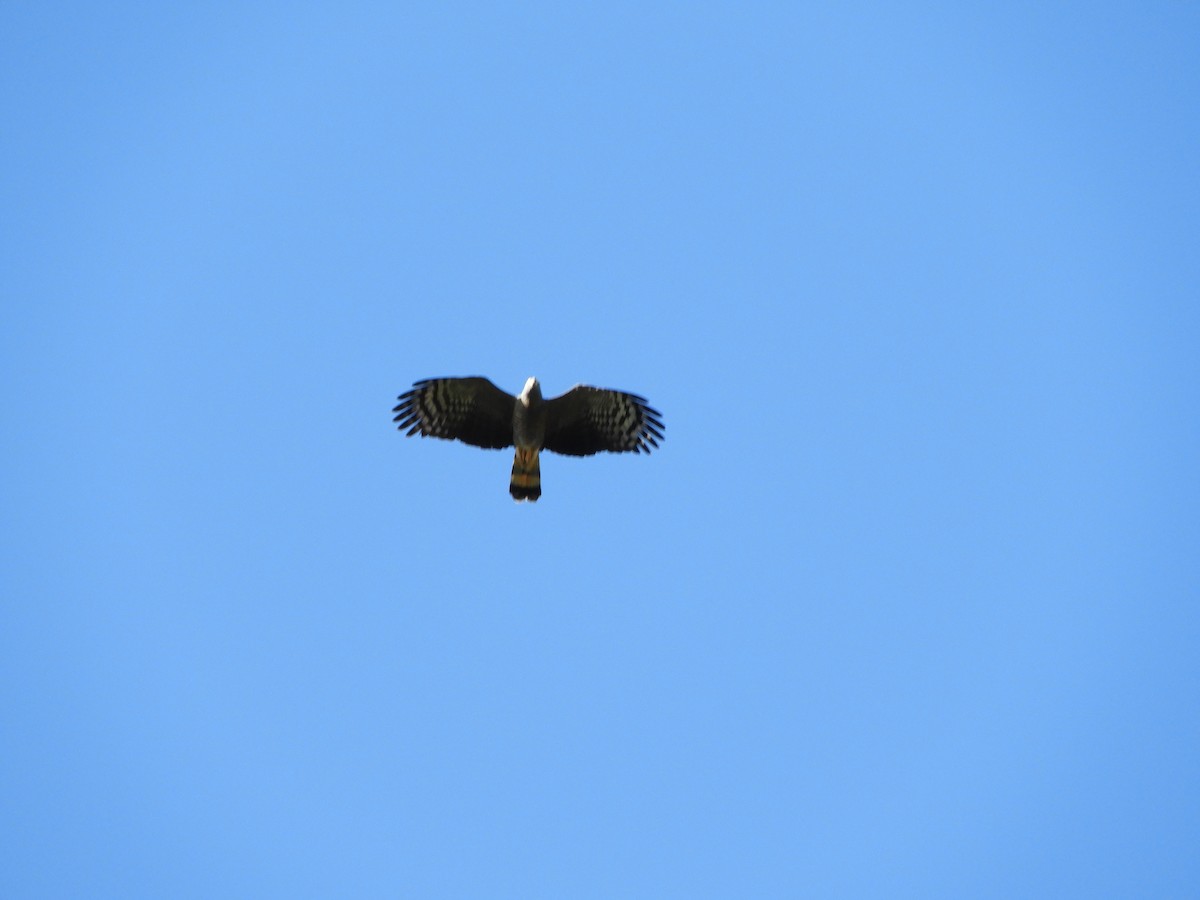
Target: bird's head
point(532, 392)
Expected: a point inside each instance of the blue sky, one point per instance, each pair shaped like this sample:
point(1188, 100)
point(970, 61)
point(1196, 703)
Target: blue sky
point(906, 604)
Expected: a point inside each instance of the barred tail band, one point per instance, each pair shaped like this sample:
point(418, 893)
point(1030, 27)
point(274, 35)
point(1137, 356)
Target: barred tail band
point(526, 483)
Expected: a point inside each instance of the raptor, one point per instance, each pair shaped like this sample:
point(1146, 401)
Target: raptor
point(583, 421)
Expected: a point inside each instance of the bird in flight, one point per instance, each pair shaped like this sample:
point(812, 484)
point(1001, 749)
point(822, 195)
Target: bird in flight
point(583, 421)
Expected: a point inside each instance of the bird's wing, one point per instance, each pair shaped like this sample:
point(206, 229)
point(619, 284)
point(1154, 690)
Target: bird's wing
point(471, 410)
point(586, 420)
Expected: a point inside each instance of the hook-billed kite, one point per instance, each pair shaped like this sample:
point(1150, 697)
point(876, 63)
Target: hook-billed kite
point(583, 421)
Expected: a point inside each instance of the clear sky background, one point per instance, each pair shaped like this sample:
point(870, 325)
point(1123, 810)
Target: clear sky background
point(906, 604)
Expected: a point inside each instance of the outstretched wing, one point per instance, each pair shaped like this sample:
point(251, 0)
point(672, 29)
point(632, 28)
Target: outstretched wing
point(586, 420)
point(471, 410)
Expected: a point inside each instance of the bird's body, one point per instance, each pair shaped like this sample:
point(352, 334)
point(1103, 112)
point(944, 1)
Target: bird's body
point(529, 436)
point(583, 421)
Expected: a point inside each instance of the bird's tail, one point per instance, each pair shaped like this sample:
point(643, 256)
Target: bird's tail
point(526, 483)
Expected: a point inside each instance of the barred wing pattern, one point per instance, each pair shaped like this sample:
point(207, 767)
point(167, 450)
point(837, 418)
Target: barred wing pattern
point(471, 410)
point(586, 420)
